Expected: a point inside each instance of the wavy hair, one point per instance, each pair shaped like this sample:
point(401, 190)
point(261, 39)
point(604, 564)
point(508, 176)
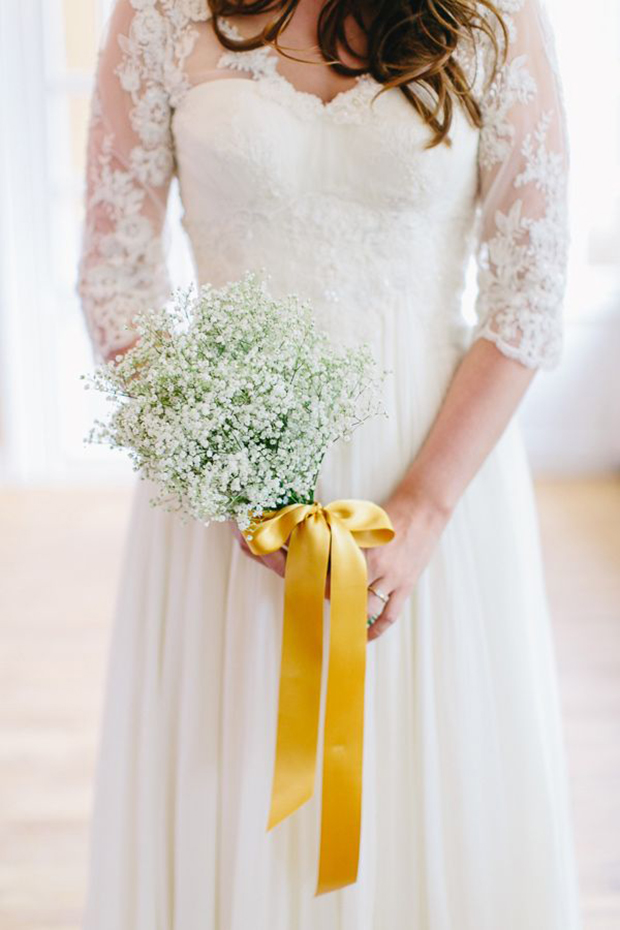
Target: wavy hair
point(409, 42)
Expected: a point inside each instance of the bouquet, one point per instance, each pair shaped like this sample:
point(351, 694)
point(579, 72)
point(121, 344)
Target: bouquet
point(231, 398)
point(229, 402)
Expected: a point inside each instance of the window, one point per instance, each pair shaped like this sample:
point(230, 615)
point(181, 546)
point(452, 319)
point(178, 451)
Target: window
point(48, 52)
point(588, 42)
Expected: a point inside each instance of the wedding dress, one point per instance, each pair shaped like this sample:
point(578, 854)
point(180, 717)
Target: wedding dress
point(465, 814)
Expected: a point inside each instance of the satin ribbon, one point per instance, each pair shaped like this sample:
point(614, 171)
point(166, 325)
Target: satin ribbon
point(317, 537)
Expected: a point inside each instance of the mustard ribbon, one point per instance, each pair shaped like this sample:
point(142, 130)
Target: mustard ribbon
point(315, 533)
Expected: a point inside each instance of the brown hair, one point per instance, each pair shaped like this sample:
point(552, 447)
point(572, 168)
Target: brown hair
point(408, 42)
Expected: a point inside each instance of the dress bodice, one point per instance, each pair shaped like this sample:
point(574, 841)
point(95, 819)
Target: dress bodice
point(343, 202)
point(340, 202)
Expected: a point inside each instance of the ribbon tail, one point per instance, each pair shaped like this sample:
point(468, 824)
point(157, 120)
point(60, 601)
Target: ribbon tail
point(300, 676)
point(344, 714)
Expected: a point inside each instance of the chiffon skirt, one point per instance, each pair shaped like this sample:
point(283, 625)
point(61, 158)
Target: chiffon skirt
point(465, 814)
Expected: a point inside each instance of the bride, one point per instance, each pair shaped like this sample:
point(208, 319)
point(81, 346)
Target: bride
point(361, 153)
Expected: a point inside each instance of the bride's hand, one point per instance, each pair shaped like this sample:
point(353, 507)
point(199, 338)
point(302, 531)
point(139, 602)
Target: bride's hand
point(275, 561)
point(394, 569)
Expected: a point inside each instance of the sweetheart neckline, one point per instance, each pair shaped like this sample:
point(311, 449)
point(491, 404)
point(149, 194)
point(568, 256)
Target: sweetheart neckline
point(270, 68)
point(263, 86)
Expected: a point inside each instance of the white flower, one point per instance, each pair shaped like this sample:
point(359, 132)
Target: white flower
point(230, 399)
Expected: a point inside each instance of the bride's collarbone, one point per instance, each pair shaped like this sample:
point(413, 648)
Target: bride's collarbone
point(306, 70)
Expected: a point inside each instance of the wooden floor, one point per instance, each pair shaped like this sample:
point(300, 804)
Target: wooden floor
point(59, 555)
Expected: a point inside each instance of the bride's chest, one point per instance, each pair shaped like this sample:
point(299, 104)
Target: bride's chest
point(250, 140)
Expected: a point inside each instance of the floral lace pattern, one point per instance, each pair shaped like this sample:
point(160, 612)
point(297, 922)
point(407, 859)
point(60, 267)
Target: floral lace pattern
point(348, 106)
point(521, 275)
point(130, 166)
point(522, 254)
point(383, 237)
point(522, 242)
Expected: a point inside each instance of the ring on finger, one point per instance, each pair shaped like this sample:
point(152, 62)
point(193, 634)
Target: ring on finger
point(380, 594)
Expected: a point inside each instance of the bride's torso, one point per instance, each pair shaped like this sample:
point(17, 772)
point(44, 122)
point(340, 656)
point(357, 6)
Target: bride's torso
point(339, 200)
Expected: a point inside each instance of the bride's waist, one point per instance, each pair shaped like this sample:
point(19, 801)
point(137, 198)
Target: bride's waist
point(332, 252)
point(358, 303)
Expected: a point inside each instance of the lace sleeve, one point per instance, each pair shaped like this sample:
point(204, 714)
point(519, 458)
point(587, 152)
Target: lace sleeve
point(523, 165)
point(129, 167)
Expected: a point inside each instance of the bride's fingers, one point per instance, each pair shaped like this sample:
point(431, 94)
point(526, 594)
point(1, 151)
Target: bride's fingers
point(245, 548)
point(389, 614)
point(250, 555)
point(376, 604)
point(238, 535)
point(276, 561)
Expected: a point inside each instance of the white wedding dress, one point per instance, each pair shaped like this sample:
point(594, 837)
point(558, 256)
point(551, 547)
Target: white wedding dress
point(465, 816)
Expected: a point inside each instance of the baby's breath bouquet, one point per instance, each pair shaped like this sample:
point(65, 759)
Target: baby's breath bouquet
point(228, 402)
point(231, 398)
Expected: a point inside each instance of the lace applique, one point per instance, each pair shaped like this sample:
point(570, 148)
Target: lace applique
point(349, 106)
point(259, 62)
point(522, 260)
point(522, 268)
point(522, 174)
point(362, 253)
point(122, 269)
point(514, 84)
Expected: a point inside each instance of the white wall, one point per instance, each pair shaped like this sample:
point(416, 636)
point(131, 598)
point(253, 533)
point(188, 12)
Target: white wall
point(571, 416)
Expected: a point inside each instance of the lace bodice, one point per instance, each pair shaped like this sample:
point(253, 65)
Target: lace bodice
point(340, 200)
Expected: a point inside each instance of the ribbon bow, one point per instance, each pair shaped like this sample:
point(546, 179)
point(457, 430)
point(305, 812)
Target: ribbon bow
point(315, 533)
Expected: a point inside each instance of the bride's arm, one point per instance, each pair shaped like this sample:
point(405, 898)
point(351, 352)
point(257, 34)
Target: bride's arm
point(523, 166)
point(481, 400)
point(129, 168)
